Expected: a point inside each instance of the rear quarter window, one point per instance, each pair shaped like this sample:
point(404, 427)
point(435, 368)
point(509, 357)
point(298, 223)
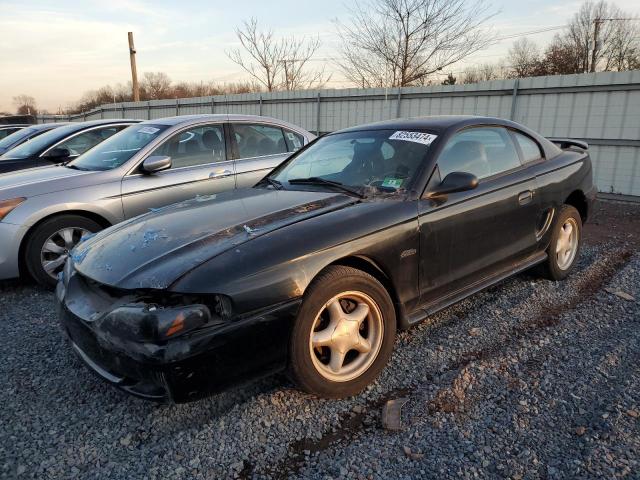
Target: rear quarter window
point(530, 149)
point(294, 140)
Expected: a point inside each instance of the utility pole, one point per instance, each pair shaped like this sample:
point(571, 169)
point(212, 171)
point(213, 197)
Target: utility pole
point(594, 52)
point(134, 71)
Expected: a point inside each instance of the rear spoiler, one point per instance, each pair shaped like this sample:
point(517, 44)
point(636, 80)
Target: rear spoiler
point(565, 143)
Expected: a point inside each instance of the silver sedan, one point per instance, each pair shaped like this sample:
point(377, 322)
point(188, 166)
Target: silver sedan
point(45, 211)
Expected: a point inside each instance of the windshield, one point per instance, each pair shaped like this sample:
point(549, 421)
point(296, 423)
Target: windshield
point(41, 142)
point(385, 159)
point(16, 137)
point(119, 148)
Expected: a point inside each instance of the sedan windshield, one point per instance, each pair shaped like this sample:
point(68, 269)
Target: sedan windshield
point(119, 148)
point(39, 143)
point(387, 160)
point(16, 137)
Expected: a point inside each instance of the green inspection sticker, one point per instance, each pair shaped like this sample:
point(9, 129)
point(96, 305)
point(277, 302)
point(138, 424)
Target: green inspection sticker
point(392, 182)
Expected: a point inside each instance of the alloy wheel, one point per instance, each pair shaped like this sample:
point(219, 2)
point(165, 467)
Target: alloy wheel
point(567, 244)
point(346, 336)
point(56, 248)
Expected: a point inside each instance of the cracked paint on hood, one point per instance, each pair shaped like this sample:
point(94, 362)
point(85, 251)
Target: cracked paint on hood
point(155, 249)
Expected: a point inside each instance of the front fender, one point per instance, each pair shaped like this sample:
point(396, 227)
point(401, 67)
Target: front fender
point(279, 267)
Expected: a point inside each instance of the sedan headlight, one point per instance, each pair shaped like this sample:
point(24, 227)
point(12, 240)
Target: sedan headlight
point(7, 205)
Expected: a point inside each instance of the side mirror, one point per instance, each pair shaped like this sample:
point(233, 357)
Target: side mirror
point(58, 153)
point(155, 163)
point(454, 182)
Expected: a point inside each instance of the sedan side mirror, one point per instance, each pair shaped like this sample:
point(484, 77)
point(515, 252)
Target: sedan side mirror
point(58, 153)
point(454, 182)
point(156, 163)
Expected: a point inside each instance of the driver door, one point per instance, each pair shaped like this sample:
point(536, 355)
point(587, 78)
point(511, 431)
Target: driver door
point(467, 236)
point(199, 166)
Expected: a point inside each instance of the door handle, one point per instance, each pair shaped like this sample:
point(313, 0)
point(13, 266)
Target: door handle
point(220, 174)
point(525, 197)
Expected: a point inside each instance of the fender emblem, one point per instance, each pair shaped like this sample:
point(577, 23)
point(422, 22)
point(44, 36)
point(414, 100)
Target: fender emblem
point(408, 253)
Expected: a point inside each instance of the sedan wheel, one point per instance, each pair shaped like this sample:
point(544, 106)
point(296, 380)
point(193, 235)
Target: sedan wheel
point(50, 243)
point(56, 248)
point(344, 333)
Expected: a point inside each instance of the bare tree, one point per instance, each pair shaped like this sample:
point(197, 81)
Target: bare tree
point(25, 105)
point(561, 57)
point(484, 73)
point(450, 80)
point(264, 54)
point(402, 42)
point(622, 51)
point(156, 85)
point(604, 36)
point(297, 53)
point(276, 63)
point(524, 58)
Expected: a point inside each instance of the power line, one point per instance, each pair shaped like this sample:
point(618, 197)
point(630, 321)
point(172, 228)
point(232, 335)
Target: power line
point(531, 32)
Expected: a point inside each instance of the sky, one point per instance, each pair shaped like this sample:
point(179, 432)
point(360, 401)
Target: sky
point(57, 50)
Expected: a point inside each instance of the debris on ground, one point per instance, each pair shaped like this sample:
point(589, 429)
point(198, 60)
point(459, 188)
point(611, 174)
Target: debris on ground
point(391, 413)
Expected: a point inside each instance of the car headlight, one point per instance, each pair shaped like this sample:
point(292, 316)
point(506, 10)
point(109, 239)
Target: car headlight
point(6, 206)
point(155, 323)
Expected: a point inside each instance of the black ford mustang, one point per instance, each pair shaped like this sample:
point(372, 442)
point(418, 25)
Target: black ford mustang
point(364, 231)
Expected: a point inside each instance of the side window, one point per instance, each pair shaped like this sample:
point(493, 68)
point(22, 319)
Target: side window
point(81, 143)
point(483, 151)
point(258, 140)
point(295, 141)
point(530, 149)
point(196, 146)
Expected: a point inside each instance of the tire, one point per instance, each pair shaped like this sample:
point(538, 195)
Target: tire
point(558, 267)
point(49, 231)
point(312, 358)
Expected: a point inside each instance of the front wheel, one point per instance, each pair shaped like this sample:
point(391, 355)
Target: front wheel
point(565, 244)
point(344, 333)
point(49, 245)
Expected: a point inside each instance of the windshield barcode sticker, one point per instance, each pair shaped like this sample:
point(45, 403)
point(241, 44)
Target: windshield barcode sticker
point(418, 137)
point(149, 130)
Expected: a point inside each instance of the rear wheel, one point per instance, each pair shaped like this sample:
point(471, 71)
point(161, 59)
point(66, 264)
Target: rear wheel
point(344, 333)
point(564, 247)
point(49, 245)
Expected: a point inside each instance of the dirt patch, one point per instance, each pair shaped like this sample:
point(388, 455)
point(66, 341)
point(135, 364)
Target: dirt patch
point(453, 399)
point(614, 222)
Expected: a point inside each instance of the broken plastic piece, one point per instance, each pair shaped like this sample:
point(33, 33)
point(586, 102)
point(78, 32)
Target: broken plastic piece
point(391, 418)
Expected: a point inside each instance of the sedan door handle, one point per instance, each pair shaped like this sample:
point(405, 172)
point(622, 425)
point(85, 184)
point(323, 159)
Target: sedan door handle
point(220, 174)
point(525, 197)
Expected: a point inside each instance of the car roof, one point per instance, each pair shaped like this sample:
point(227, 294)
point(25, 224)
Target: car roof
point(14, 125)
point(47, 126)
point(435, 123)
point(186, 119)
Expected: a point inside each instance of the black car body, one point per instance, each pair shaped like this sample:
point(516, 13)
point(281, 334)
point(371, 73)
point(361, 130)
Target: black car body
point(58, 145)
point(247, 258)
point(25, 134)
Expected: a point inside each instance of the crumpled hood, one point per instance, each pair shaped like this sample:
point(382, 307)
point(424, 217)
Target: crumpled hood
point(156, 249)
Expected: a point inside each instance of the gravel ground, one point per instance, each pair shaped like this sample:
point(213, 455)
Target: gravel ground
point(529, 379)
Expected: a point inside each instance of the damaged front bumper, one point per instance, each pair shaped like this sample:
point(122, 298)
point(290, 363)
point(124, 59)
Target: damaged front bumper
point(121, 337)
